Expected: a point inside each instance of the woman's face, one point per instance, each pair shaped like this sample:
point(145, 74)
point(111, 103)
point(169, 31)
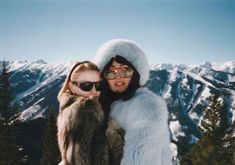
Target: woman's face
point(119, 77)
point(85, 83)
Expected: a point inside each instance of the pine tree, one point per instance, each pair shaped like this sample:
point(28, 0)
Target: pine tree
point(229, 141)
point(51, 154)
point(5, 94)
point(214, 119)
point(215, 147)
point(10, 150)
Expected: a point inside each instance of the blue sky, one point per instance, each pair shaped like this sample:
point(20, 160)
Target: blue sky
point(169, 31)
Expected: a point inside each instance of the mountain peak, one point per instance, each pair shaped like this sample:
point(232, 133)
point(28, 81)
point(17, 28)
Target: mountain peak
point(40, 61)
point(207, 65)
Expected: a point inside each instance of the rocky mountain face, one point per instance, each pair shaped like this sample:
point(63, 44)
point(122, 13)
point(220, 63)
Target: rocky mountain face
point(184, 88)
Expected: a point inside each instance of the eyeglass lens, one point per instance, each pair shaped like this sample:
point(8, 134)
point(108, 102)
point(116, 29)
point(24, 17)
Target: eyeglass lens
point(112, 74)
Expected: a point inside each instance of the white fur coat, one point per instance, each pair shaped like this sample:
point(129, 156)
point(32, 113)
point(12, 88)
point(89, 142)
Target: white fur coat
point(144, 119)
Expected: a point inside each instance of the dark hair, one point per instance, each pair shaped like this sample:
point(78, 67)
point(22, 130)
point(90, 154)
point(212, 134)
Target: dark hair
point(107, 95)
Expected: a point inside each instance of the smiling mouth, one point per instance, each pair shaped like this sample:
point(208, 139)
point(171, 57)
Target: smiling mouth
point(119, 84)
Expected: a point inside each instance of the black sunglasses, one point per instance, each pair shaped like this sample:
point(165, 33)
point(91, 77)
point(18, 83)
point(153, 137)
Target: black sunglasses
point(87, 85)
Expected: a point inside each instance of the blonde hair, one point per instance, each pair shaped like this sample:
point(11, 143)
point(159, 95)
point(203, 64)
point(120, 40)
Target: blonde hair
point(76, 69)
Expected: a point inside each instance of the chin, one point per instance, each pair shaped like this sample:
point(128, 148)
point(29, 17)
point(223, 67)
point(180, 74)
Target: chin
point(120, 90)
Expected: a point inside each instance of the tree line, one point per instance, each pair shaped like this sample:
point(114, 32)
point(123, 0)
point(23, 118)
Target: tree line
point(217, 144)
point(24, 143)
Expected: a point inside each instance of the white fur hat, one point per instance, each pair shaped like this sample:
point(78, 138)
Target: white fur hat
point(127, 49)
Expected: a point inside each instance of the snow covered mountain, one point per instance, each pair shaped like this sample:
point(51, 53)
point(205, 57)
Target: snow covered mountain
point(36, 85)
point(184, 88)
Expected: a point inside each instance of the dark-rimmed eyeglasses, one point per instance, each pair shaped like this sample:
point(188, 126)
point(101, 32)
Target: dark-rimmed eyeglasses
point(123, 72)
point(87, 85)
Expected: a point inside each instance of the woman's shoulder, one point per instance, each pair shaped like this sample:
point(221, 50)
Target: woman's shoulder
point(148, 101)
point(145, 95)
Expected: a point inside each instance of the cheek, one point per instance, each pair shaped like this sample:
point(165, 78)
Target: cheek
point(75, 90)
point(89, 94)
point(128, 80)
point(72, 88)
point(110, 82)
point(84, 94)
point(98, 94)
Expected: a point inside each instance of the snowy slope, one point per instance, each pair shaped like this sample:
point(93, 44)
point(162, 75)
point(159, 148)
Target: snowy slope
point(186, 89)
point(36, 85)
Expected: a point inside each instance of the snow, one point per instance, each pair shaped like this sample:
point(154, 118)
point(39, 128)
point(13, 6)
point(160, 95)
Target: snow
point(231, 78)
point(205, 94)
point(31, 113)
point(232, 106)
point(167, 94)
point(56, 67)
point(173, 117)
point(173, 148)
point(199, 78)
point(184, 83)
point(174, 75)
point(51, 72)
point(176, 129)
point(226, 67)
point(194, 116)
point(206, 65)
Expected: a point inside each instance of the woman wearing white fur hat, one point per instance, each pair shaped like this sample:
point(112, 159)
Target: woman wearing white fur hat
point(143, 115)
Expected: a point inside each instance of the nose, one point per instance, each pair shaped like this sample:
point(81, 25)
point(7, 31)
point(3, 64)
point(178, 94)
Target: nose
point(94, 92)
point(118, 76)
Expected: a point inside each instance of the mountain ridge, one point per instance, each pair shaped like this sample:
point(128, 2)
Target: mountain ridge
point(185, 88)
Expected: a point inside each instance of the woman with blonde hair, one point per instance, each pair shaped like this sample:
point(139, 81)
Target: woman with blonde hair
point(81, 121)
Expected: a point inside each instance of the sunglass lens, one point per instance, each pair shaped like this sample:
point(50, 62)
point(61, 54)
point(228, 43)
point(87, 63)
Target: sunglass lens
point(98, 86)
point(86, 86)
point(110, 75)
point(123, 73)
point(126, 72)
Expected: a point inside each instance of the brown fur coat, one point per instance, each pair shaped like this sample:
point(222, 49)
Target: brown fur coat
point(81, 141)
point(115, 138)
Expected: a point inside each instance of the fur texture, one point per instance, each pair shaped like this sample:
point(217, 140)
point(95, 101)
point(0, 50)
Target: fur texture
point(115, 138)
point(144, 118)
point(127, 49)
point(81, 137)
